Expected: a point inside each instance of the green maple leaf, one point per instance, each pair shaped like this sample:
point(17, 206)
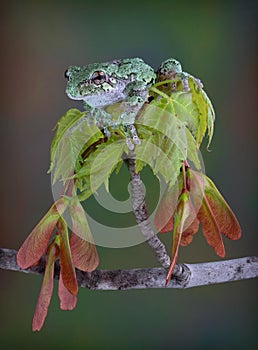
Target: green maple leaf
point(193, 108)
point(99, 165)
point(72, 137)
point(163, 141)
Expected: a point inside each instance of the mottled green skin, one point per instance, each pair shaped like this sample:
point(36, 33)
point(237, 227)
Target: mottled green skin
point(102, 84)
point(123, 79)
point(169, 66)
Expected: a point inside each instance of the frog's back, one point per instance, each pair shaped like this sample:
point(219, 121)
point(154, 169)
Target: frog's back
point(137, 68)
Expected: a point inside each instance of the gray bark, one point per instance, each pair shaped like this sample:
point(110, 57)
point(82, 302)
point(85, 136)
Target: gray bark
point(184, 276)
point(141, 214)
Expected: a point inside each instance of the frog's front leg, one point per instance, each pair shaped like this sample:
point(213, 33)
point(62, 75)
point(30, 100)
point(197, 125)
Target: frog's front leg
point(137, 94)
point(130, 131)
point(98, 116)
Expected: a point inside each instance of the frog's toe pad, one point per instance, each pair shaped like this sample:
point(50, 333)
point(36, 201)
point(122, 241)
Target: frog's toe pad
point(107, 132)
point(199, 83)
point(185, 85)
point(133, 131)
point(136, 140)
point(129, 144)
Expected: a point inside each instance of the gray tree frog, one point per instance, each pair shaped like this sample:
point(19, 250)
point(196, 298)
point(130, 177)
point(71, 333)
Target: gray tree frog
point(128, 80)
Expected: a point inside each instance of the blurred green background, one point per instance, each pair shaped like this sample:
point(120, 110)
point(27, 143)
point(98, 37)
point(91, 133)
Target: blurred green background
point(216, 41)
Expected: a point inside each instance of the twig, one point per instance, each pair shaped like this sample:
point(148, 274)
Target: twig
point(141, 214)
point(184, 276)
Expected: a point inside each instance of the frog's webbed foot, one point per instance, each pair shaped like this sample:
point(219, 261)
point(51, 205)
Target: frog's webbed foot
point(133, 132)
point(132, 139)
point(101, 118)
point(184, 79)
point(185, 85)
point(198, 82)
point(97, 116)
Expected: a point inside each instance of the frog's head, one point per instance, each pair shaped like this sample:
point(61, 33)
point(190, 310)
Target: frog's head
point(95, 83)
point(170, 67)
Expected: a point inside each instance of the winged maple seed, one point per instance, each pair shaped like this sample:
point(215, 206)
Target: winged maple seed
point(74, 252)
point(199, 202)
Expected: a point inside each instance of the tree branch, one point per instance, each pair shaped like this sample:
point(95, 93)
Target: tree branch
point(184, 276)
point(141, 214)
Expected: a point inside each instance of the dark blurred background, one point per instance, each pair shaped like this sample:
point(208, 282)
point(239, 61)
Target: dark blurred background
point(216, 41)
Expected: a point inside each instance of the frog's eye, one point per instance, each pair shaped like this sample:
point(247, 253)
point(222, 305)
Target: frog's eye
point(66, 74)
point(98, 77)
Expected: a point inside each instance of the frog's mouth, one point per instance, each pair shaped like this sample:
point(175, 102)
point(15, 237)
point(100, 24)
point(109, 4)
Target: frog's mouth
point(74, 97)
point(105, 98)
point(99, 97)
